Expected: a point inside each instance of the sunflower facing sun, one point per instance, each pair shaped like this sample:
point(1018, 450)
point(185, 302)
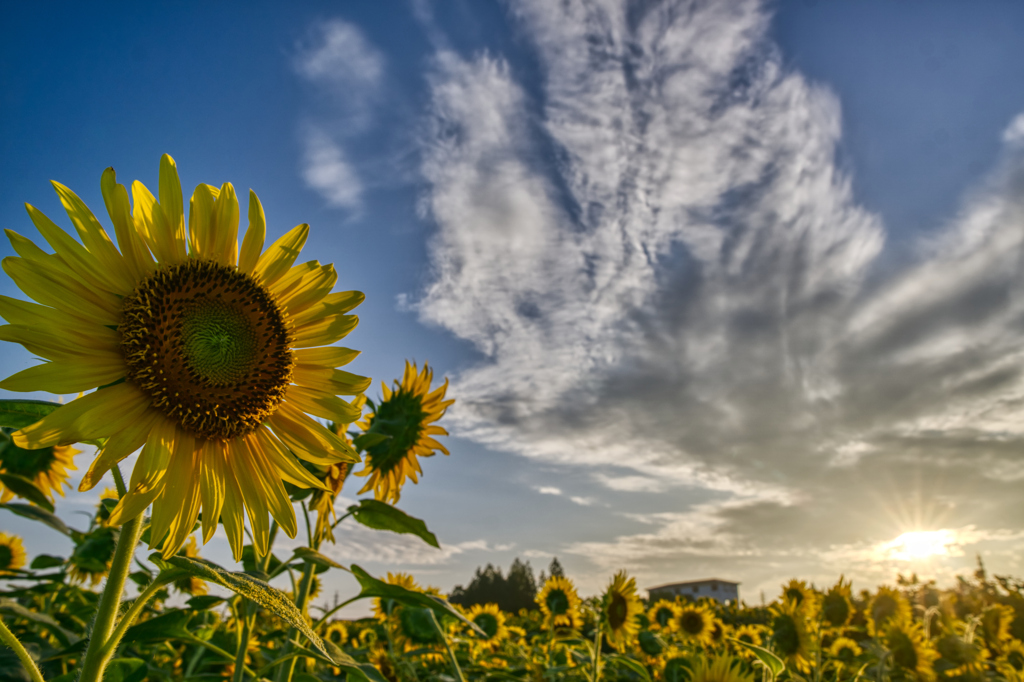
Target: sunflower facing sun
point(621, 606)
point(47, 468)
point(404, 423)
point(209, 357)
point(12, 553)
point(559, 603)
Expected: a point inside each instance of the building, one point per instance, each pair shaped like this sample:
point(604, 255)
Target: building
point(720, 590)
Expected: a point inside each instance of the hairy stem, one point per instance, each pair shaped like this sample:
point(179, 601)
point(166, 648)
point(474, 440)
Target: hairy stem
point(8, 638)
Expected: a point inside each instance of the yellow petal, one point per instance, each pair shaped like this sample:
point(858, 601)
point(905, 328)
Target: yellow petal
point(169, 247)
point(71, 376)
point(95, 238)
point(148, 476)
point(76, 257)
point(333, 381)
point(232, 514)
point(253, 495)
point(201, 222)
point(225, 236)
point(332, 304)
point(98, 414)
point(304, 285)
point(323, 405)
point(211, 486)
point(269, 479)
point(287, 466)
point(324, 331)
point(119, 446)
point(133, 248)
point(279, 257)
point(171, 200)
point(326, 357)
point(254, 236)
point(26, 313)
point(63, 294)
point(99, 344)
point(308, 439)
point(176, 510)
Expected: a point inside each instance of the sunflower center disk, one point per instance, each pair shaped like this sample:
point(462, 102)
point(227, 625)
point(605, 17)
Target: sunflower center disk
point(209, 346)
point(6, 557)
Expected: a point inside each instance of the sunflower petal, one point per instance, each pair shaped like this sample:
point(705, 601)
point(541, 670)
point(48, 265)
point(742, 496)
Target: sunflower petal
point(133, 248)
point(171, 202)
point(148, 476)
point(287, 466)
point(96, 415)
point(326, 357)
point(254, 497)
point(225, 237)
point(324, 331)
point(254, 236)
point(168, 246)
point(201, 222)
point(70, 376)
point(95, 238)
point(233, 511)
point(333, 381)
point(323, 405)
point(279, 257)
point(211, 486)
point(333, 304)
point(277, 499)
point(308, 439)
point(76, 257)
point(119, 446)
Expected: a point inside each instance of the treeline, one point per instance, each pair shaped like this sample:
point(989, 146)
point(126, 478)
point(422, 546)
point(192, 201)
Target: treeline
point(517, 590)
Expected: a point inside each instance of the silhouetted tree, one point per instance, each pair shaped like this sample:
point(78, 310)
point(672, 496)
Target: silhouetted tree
point(489, 586)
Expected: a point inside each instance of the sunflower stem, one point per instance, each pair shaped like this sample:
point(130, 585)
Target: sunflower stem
point(122, 489)
point(8, 638)
point(98, 655)
point(451, 654)
point(596, 676)
point(132, 613)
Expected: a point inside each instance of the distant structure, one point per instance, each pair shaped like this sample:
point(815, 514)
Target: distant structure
point(720, 590)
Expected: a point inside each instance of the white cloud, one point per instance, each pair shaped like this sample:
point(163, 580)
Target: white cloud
point(327, 170)
point(583, 501)
point(549, 490)
point(337, 55)
point(666, 269)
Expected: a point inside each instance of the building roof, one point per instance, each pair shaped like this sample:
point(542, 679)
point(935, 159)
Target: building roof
point(693, 582)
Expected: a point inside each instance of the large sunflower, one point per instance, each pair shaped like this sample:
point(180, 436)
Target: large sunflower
point(695, 623)
point(791, 636)
point(207, 356)
point(403, 421)
point(621, 607)
point(720, 669)
point(47, 467)
point(12, 553)
point(887, 604)
point(910, 650)
point(490, 619)
point(837, 605)
point(802, 596)
point(559, 602)
point(663, 614)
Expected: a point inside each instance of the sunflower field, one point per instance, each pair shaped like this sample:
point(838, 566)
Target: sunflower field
point(215, 361)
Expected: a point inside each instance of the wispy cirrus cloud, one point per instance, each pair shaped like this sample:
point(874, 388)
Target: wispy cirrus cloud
point(673, 285)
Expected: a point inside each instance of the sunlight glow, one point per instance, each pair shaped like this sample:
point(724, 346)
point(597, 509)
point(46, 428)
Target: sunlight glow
point(924, 544)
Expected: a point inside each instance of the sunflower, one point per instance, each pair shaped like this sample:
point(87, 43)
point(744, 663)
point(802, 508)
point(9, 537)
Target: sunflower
point(803, 597)
point(191, 584)
point(791, 636)
point(910, 650)
point(995, 626)
point(93, 554)
point(337, 634)
point(1012, 656)
point(751, 634)
point(844, 650)
point(404, 422)
point(960, 657)
point(621, 606)
point(837, 605)
point(695, 623)
point(884, 606)
point(382, 608)
point(720, 669)
point(207, 356)
point(47, 467)
point(663, 615)
point(12, 554)
point(559, 602)
point(490, 619)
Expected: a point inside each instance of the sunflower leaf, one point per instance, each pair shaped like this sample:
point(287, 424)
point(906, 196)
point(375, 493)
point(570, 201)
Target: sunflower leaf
point(317, 559)
point(382, 516)
point(36, 514)
point(368, 440)
point(636, 666)
point(774, 664)
point(249, 587)
point(173, 624)
point(23, 487)
point(17, 414)
point(372, 587)
point(358, 672)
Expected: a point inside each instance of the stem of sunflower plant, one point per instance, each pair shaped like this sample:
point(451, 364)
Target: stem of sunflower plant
point(8, 638)
point(597, 653)
point(97, 655)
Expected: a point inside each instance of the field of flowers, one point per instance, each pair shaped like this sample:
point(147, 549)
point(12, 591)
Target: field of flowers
point(216, 362)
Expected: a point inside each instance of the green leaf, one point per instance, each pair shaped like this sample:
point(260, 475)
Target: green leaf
point(382, 516)
point(17, 414)
point(250, 564)
point(126, 670)
point(368, 440)
point(23, 487)
point(203, 602)
point(14, 608)
point(46, 561)
point(774, 664)
point(317, 559)
point(372, 587)
point(248, 587)
point(36, 514)
point(636, 666)
point(170, 625)
point(358, 672)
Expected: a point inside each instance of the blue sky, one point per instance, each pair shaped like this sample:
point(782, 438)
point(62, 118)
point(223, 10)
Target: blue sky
point(725, 289)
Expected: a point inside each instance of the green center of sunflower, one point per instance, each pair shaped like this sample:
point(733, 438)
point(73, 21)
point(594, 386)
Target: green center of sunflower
point(557, 602)
point(27, 463)
point(6, 557)
point(691, 622)
point(488, 623)
point(209, 346)
point(618, 610)
point(836, 609)
point(400, 417)
point(785, 635)
point(883, 609)
point(795, 595)
point(663, 616)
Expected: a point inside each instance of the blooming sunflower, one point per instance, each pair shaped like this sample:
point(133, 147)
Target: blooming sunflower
point(802, 596)
point(844, 650)
point(404, 422)
point(720, 669)
point(490, 619)
point(887, 604)
point(12, 554)
point(663, 614)
point(47, 467)
point(910, 650)
point(382, 607)
point(94, 551)
point(621, 606)
point(836, 605)
point(209, 357)
point(337, 634)
point(791, 636)
point(695, 623)
point(995, 625)
point(559, 602)
point(190, 584)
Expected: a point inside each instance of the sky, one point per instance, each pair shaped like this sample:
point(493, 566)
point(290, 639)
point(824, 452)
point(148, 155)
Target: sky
point(723, 289)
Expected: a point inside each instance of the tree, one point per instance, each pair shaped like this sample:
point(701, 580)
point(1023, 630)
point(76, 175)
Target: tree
point(489, 586)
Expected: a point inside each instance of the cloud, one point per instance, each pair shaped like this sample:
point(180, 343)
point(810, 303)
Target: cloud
point(346, 72)
point(673, 286)
point(549, 490)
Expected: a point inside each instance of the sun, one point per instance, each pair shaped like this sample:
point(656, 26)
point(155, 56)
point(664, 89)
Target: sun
point(922, 544)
